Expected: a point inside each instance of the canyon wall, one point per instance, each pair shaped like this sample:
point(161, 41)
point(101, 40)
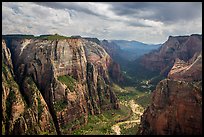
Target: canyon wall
point(55, 84)
point(176, 106)
point(181, 47)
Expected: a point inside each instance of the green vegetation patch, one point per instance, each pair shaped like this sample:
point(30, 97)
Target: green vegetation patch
point(144, 100)
point(69, 81)
point(47, 37)
point(4, 68)
point(127, 93)
point(75, 124)
point(40, 107)
point(20, 36)
point(11, 98)
point(3, 129)
point(44, 133)
point(52, 37)
point(101, 124)
point(8, 78)
point(129, 131)
point(60, 105)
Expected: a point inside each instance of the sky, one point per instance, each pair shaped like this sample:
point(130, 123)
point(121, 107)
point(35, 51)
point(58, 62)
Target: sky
point(148, 22)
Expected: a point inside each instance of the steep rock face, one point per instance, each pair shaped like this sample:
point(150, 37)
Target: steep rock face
point(21, 115)
point(132, 50)
point(71, 74)
point(113, 50)
point(187, 71)
point(6, 56)
point(176, 106)
point(182, 47)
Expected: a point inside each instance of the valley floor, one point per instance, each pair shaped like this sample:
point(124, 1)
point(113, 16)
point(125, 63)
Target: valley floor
point(133, 122)
point(124, 121)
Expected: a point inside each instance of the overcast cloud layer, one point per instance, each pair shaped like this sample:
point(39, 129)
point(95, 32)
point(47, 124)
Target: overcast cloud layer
point(143, 21)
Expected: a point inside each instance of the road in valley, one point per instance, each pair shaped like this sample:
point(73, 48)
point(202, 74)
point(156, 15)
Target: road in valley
point(134, 119)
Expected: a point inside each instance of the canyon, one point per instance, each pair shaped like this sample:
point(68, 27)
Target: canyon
point(176, 103)
point(54, 81)
point(54, 84)
point(162, 59)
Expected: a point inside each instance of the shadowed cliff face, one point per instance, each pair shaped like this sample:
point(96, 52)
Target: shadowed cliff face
point(25, 113)
point(70, 75)
point(176, 106)
point(181, 47)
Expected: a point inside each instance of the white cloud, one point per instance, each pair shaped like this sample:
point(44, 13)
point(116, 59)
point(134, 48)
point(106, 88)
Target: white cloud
point(101, 20)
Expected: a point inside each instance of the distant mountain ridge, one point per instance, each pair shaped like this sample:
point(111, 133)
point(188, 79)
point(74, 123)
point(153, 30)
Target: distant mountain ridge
point(132, 50)
point(182, 47)
point(131, 44)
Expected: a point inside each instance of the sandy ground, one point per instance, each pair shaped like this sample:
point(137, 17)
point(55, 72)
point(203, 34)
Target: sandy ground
point(135, 118)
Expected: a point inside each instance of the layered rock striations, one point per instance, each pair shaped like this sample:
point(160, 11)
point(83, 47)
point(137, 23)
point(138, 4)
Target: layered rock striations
point(69, 78)
point(176, 107)
point(113, 50)
point(22, 114)
point(181, 47)
point(187, 71)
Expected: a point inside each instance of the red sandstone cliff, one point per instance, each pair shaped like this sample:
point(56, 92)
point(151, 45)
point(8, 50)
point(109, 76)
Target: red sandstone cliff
point(181, 47)
point(176, 106)
point(68, 78)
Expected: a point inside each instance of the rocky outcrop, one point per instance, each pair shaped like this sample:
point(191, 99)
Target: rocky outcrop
point(181, 47)
point(112, 49)
point(187, 71)
point(22, 114)
point(176, 107)
point(71, 74)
